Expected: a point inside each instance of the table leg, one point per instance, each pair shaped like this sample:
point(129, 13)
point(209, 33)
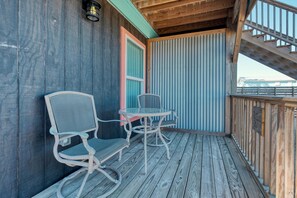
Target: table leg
point(164, 142)
point(145, 152)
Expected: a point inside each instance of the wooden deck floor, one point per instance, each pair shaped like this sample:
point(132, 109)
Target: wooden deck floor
point(200, 166)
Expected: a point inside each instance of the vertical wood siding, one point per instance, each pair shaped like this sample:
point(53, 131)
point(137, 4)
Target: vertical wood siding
point(48, 46)
point(189, 75)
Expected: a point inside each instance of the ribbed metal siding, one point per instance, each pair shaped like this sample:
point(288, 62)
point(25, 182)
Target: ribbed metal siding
point(189, 75)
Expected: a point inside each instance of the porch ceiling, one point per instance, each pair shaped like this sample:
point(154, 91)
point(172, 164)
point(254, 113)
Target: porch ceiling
point(180, 16)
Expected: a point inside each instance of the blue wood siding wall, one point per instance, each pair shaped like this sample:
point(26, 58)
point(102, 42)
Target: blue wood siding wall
point(190, 74)
point(47, 46)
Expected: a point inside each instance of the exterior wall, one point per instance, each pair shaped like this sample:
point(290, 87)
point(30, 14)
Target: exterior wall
point(47, 46)
point(189, 73)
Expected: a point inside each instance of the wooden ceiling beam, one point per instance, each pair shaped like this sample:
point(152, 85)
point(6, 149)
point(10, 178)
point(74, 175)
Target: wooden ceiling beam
point(145, 4)
point(240, 24)
point(167, 6)
point(138, 1)
point(191, 19)
point(191, 10)
point(192, 27)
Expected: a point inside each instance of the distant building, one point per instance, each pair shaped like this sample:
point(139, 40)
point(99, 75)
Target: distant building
point(250, 82)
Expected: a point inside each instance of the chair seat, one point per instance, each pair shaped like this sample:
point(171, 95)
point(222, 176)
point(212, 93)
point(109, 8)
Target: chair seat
point(104, 149)
point(165, 123)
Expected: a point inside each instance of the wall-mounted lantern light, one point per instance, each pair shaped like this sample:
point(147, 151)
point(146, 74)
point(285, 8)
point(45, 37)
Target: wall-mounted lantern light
point(91, 7)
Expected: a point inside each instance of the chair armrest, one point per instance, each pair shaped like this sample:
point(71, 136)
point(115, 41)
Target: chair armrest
point(84, 137)
point(124, 121)
point(174, 113)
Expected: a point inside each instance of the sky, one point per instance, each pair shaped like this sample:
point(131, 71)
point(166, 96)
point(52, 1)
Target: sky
point(252, 69)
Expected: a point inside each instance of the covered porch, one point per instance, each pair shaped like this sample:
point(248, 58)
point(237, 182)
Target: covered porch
point(184, 51)
point(200, 166)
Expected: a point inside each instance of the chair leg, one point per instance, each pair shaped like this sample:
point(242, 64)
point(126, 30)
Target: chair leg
point(116, 181)
point(120, 155)
point(82, 185)
point(59, 190)
point(165, 144)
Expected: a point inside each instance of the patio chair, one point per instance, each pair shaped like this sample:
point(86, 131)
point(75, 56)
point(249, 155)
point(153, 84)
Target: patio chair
point(73, 114)
point(154, 101)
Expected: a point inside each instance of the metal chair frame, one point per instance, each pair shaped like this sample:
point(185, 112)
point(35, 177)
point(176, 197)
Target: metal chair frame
point(88, 163)
point(151, 120)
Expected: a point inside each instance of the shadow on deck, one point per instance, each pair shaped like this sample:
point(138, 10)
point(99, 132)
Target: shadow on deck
point(200, 166)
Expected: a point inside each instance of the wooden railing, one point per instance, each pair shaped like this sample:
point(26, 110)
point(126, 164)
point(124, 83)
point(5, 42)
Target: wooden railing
point(275, 19)
point(268, 91)
point(271, 153)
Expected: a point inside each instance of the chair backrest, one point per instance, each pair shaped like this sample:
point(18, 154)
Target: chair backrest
point(149, 101)
point(72, 111)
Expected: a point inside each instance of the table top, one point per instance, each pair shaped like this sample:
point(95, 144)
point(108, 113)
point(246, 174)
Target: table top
point(143, 112)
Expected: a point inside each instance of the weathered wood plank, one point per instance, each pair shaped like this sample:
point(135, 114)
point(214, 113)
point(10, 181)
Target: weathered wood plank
point(253, 144)
point(128, 171)
point(235, 182)
point(70, 189)
point(267, 136)
point(166, 180)
point(143, 185)
point(221, 181)
point(31, 66)
point(274, 126)
point(289, 152)
point(9, 24)
point(250, 186)
point(280, 155)
point(8, 119)
point(207, 177)
point(54, 80)
point(72, 45)
point(86, 63)
point(178, 185)
point(250, 130)
point(261, 152)
point(194, 180)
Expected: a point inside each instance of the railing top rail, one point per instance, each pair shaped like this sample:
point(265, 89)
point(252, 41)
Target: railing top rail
point(281, 5)
point(268, 87)
point(273, 99)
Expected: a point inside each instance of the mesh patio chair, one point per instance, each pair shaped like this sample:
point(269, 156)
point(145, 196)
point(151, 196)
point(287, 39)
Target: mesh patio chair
point(73, 114)
point(154, 101)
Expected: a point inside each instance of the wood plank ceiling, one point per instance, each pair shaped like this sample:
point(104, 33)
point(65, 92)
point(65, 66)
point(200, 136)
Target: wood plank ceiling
point(169, 17)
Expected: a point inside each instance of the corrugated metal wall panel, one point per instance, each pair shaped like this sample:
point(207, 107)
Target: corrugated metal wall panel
point(189, 75)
